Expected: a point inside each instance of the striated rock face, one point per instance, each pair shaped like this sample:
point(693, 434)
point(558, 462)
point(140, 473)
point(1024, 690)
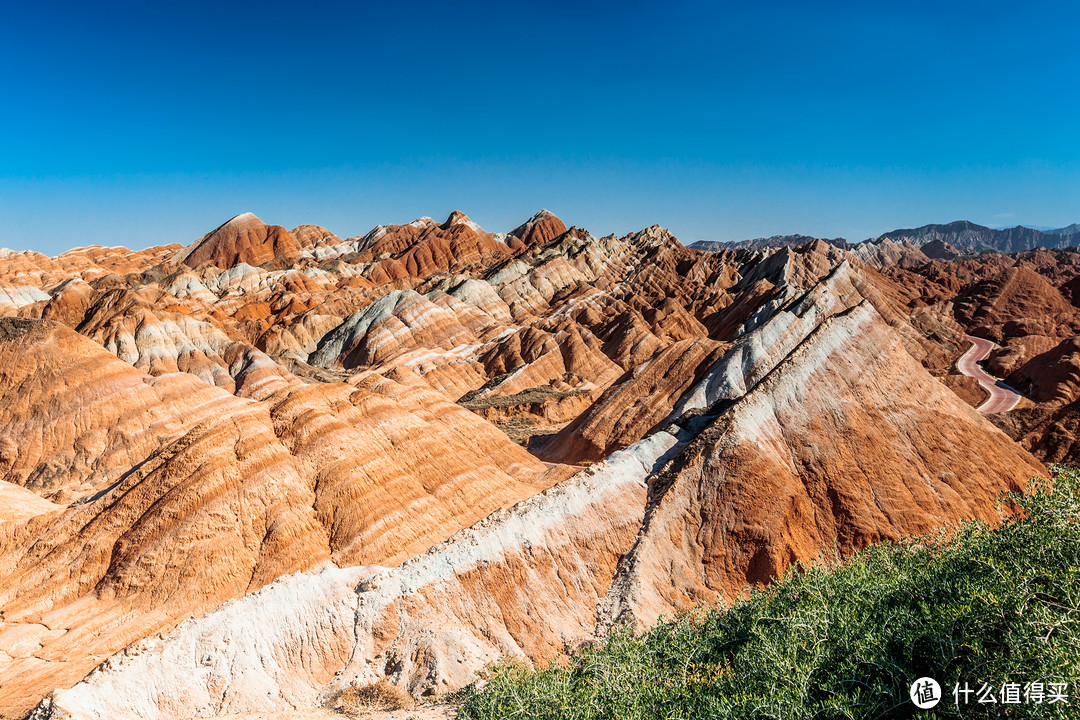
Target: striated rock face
point(424, 247)
point(1052, 376)
point(240, 475)
point(183, 498)
point(241, 657)
point(1019, 301)
point(1050, 432)
point(1041, 354)
point(540, 229)
point(524, 582)
point(175, 495)
point(845, 435)
point(243, 239)
point(760, 489)
point(972, 238)
point(1026, 302)
point(635, 404)
point(886, 253)
point(399, 319)
point(76, 418)
point(312, 236)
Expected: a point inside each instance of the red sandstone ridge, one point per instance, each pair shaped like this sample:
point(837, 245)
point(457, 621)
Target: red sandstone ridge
point(720, 498)
point(541, 228)
point(636, 403)
point(243, 239)
point(1018, 301)
point(1026, 302)
point(757, 490)
point(340, 457)
point(23, 273)
point(424, 247)
point(176, 495)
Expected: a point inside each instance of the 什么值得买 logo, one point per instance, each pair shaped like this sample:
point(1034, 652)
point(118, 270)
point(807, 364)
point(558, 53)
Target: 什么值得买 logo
point(925, 693)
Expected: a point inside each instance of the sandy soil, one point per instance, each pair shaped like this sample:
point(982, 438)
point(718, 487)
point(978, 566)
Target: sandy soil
point(423, 712)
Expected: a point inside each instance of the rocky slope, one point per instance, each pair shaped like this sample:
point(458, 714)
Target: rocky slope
point(1026, 302)
point(971, 238)
point(755, 492)
point(173, 495)
point(243, 239)
point(389, 431)
point(938, 242)
point(776, 241)
point(621, 540)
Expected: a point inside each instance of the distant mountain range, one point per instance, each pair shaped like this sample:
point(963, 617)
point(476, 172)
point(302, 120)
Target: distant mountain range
point(966, 237)
point(1073, 229)
point(769, 242)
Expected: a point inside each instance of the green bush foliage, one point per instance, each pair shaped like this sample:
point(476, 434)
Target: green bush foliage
point(982, 605)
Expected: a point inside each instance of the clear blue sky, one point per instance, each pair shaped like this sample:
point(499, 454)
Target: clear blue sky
point(147, 123)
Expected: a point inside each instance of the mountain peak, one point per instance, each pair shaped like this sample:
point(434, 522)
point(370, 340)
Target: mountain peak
point(242, 238)
point(244, 217)
point(543, 227)
point(459, 218)
point(968, 237)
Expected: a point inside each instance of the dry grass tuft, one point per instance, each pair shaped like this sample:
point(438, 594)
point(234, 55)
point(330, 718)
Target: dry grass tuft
point(359, 700)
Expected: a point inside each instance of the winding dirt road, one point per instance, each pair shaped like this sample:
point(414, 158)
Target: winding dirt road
point(1002, 397)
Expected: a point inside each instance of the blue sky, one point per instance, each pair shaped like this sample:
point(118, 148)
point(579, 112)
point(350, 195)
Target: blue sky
point(147, 123)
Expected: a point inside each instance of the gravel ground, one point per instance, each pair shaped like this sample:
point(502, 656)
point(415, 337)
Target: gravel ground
point(423, 712)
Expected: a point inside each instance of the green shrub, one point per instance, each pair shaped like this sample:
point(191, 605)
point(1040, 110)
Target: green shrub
point(987, 604)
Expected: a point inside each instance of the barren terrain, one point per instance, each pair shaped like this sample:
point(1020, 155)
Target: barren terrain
point(240, 476)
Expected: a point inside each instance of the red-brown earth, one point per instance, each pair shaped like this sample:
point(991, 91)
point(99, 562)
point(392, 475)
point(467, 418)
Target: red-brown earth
point(1027, 302)
point(352, 458)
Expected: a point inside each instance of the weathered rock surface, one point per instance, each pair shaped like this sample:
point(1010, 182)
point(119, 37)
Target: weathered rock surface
point(184, 498)
point(176, 495)
point(1051, 433)
point(196, 442)
point(1017, 302)
point(761, 488)
point(1052, 376)
point(1022, 300)
point(525, 581)
point(635, 404)
point(966, 388)
point(540, 229)
point(842, 439)
point(1027, 302)
point(243, 239)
